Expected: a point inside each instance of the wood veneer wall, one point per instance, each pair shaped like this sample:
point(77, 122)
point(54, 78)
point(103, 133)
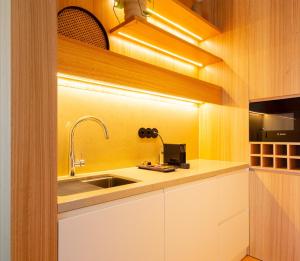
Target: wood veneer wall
point(274, 216)
point(274, 53)
point(34, 120)
point(5, 84)
point(224, 129)
point(274, 71)
point(260, 48)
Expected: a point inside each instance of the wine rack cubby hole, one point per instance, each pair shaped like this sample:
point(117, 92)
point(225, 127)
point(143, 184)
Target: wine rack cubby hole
point(281, 149)
point(268, 149)
point(267, 162)
point(282, 156)
point(295, 164)
point(295, 150)
point(281, 163)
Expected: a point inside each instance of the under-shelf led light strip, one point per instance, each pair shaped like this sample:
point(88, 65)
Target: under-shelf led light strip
point(100, 86)
point(160, 49)
point(181, 28)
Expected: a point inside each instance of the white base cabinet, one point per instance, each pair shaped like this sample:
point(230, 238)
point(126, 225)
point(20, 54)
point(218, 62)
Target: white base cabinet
point(191, 218)
point(234, 238)
point(208, 220)
point(233, 223)
point(205, 220)
point(126, 230)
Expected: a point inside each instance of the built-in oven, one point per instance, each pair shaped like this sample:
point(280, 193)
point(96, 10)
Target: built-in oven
point(275, 120)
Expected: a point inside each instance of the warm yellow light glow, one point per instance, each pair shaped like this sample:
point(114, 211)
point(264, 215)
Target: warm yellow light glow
point(160, 49)
point(99, 86)
point(171, 30)
point(143, 53)
point(175, 24)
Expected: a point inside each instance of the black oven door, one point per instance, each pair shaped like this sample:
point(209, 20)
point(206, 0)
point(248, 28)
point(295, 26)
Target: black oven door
point(277, 121)
point(277, 128)
point(280, 136)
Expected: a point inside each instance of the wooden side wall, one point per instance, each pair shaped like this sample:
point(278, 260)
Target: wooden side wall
point(34, 121)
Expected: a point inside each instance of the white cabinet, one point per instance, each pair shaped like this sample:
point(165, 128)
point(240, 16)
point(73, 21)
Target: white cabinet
point(131, 229)
point(208, 220)
point(191, 219)
point(233, 216)
point(233, 194)
point(234, 237)
point(205, 220)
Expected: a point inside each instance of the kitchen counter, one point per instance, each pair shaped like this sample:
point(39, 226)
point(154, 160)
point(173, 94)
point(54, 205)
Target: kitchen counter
point(148, 181)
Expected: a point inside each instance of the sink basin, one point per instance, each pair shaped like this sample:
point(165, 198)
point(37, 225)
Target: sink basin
point(108, 182)
point(86, 184)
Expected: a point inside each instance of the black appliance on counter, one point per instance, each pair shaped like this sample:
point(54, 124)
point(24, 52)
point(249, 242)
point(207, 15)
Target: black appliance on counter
point(275, 120)
point(175, 154)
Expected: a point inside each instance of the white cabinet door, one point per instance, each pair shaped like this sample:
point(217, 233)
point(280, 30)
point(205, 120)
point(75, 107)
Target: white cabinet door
point(233, 194)
point(233, 215)
point(234, 237)
point(126, 230)
point(191, 220)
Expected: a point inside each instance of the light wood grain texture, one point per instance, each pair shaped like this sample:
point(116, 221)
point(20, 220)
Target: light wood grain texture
point(188, 3)
point(274, 216)
point(249, 258)
point(103, 11)
point(80, 60)
point(281, 156)
point(181, 14)
point(224, 129)
point(5, 130)
point(275, 50)
point(34, 117)
point(140, 29)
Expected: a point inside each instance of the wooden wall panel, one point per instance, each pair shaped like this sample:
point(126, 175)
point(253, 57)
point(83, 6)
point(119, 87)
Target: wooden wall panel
point(274, 216)
point(5, 170)
point(274, 48)
point(34, 117)
point(224, 129)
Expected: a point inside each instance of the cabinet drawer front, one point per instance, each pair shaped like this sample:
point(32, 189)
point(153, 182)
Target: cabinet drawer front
point(234, 238)
point(233, 194)
point(191, 222)
point(131, 230)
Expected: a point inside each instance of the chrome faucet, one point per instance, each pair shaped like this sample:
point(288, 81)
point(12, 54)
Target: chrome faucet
point(72, 159)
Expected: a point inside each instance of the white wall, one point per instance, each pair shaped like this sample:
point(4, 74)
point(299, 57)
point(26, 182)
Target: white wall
point(5, 81)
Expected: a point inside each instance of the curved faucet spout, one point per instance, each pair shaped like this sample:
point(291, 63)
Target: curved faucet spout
point(72, 159)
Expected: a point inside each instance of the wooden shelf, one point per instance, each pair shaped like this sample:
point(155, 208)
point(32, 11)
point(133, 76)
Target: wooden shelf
point(276, 156)
point(139, 30)
point(182, 15)
point(81, 60)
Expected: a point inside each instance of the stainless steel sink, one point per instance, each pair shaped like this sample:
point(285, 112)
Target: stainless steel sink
point(108, 182)
point(86, 184)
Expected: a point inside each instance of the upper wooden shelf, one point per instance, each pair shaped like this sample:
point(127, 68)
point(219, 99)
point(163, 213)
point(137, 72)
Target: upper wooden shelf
point(145, 33)
point(182, 15)
point(81, 60)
